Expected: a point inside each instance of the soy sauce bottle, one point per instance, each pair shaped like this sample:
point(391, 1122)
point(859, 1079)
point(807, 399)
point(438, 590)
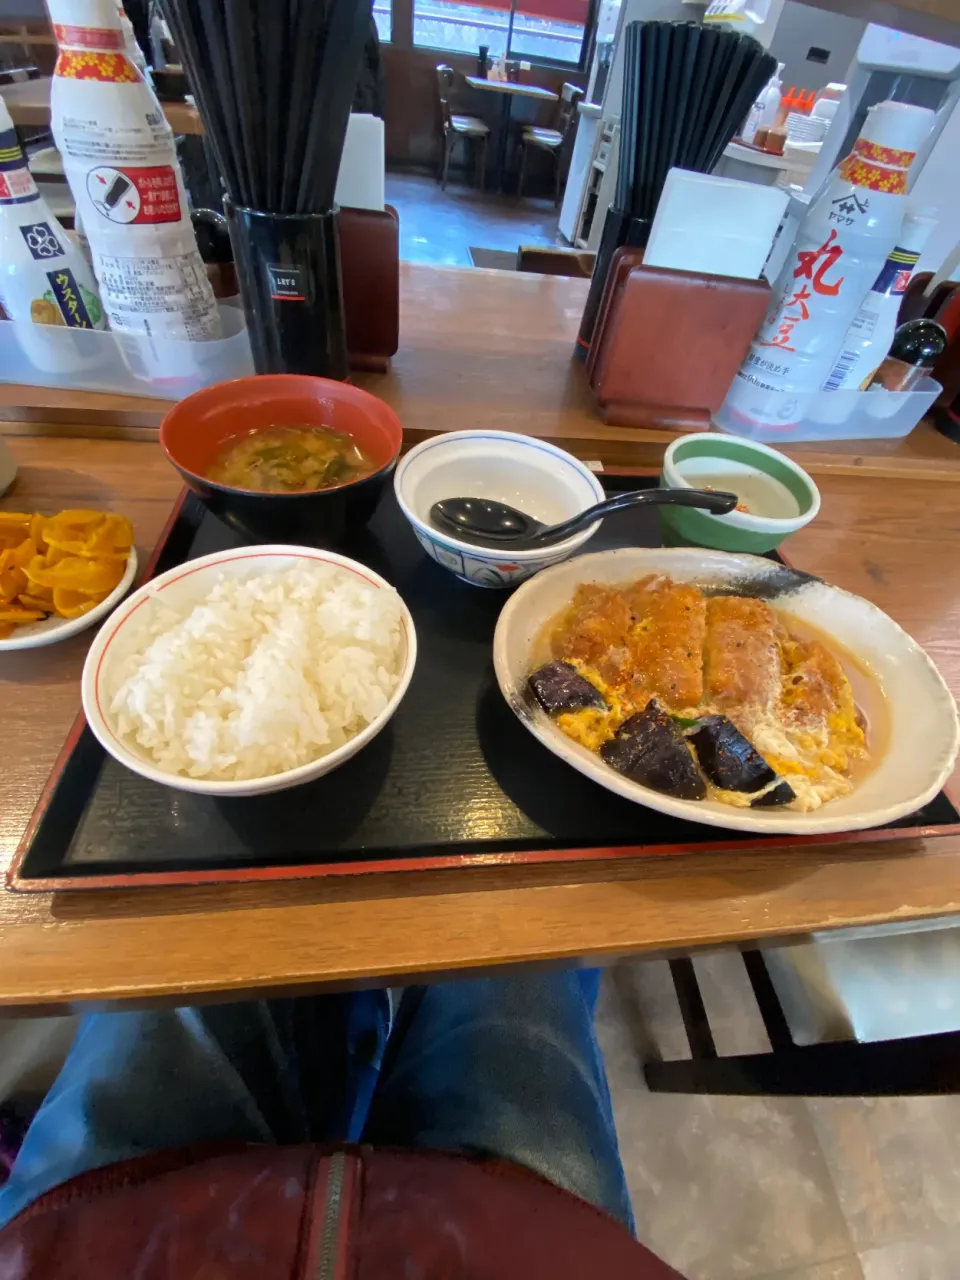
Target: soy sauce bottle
point(916, 348)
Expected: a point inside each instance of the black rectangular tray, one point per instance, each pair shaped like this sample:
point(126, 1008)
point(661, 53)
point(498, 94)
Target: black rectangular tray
point(453, 780)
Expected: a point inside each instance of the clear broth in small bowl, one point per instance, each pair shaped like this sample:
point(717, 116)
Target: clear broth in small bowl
point(289, 460)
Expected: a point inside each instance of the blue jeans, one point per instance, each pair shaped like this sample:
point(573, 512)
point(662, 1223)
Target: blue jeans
point(504, 1067)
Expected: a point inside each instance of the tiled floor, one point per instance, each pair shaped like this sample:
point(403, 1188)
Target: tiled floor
point(767, 1188)
point(441, 226)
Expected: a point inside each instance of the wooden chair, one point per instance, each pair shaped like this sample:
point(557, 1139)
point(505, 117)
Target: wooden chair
point(552, 140)
point(457, 126)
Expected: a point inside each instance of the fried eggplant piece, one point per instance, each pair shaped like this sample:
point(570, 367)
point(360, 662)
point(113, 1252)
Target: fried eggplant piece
point(782, 793)
point(559, 687)
point(727, 758)
point(649, 748)
point(742, 653)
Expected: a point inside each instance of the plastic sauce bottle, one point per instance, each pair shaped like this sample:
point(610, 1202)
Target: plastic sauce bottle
point(763, 113)
point(916, 348)
point(841, 246)
point(871, 331)
point(44, 280)
point(770, 100)
point(120, 161)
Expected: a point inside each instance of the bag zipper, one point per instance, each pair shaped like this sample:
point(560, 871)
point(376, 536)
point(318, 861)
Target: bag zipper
point(332, 1212)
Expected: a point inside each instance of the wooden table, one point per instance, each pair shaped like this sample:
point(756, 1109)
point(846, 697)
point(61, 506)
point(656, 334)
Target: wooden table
point(895, 543)
point(508, 90)
point(28, 102)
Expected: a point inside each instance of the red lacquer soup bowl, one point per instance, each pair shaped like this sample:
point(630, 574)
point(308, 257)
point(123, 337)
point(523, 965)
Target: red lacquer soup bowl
point(195, 431)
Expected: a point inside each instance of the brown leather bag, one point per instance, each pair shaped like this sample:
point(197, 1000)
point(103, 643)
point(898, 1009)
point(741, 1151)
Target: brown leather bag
point(305, 1213)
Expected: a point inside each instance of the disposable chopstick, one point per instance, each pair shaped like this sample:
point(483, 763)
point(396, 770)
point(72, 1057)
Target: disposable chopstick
point(215, 40)
point(743, 57)
point(346, 35)
point(309, 21)
point(248, 97)
point(751, 85)
point(628, 116)
point(182, 27)
point(707, 52)
point(685, 95)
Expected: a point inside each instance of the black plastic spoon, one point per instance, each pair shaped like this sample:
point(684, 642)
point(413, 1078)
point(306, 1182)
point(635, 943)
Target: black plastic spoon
point(486, 522)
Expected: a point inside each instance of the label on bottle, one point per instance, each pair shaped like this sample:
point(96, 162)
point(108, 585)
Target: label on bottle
point(890, 284)
point(133, 195)
point(140, 292)
point(69, 299)
point(16, 183)
point(812, 274)
point(896, 273)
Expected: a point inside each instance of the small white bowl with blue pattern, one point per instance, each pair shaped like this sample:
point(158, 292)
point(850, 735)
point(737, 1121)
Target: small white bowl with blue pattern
point(529, 474)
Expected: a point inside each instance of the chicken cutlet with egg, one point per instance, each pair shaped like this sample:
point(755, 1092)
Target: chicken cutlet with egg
point(742, 654)
point(723, 658)
point(818, 704)
point(637, 642)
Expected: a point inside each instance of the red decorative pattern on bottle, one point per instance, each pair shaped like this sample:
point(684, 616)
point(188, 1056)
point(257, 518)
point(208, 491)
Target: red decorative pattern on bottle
point(113, 68)
point(88, 37)
point(883, 155)
point(875, 177)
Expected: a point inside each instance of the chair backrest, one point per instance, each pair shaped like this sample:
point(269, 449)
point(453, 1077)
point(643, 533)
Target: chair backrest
point(570, 95)
point(444, 87)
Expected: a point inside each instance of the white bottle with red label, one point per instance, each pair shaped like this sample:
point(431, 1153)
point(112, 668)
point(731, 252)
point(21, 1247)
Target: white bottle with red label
point(842, 244)
point(120, 160)
point(871, 331)
point(44, 280)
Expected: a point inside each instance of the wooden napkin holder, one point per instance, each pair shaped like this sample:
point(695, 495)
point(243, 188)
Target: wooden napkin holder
point(370, 266)
point(668, 343)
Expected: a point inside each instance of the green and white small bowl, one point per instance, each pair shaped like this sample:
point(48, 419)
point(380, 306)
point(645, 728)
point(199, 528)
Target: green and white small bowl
point(780, 497)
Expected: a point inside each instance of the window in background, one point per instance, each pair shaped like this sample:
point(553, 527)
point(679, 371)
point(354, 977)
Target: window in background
point(550, 30)
point(461, 28)
point(541, 30)
point(383, 17)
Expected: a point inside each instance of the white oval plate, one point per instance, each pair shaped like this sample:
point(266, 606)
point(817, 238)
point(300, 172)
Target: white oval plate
point(924, 735)
point(53, 629)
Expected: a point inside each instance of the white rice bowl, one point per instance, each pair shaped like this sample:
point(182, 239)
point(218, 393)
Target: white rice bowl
point(249, 671)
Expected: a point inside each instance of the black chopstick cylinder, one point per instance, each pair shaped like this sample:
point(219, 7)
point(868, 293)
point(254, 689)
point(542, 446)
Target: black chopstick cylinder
point(274, 81)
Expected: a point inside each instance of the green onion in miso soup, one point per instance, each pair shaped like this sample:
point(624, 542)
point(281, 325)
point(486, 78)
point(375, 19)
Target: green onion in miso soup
point(286, 459)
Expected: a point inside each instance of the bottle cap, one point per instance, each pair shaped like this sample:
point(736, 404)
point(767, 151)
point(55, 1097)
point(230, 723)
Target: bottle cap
point(897, 126)
point(919, 342)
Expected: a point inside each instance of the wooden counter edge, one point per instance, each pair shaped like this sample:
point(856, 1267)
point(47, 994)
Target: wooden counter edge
point(341, 933)
point(615, 448)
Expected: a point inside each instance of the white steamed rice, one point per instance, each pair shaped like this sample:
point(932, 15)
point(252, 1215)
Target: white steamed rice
point(266, 673)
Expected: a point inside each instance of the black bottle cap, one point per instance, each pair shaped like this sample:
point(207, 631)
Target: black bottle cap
point(919, 342)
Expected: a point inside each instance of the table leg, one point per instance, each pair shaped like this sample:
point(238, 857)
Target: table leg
point(505, 104)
